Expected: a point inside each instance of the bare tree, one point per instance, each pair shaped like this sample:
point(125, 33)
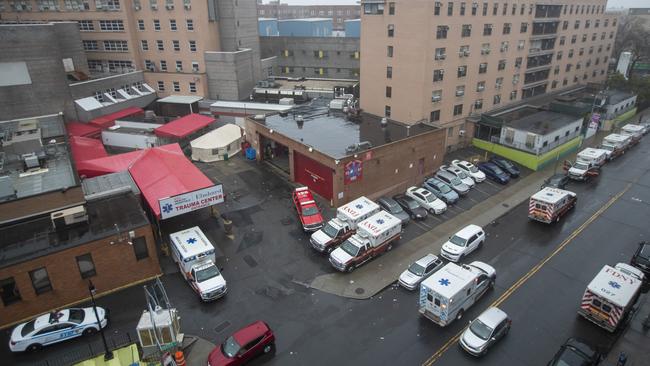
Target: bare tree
point(633, 36)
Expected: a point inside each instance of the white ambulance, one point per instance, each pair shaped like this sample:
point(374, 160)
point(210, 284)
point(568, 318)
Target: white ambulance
point(194, 254)
point(550, 204)
point(615, 144)
point(448, 293)
point(634, 131)
point(610, 297)
point(588, 163)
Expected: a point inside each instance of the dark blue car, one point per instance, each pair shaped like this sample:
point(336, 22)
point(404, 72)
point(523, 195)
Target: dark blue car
point(506, 165)
point(493, 172)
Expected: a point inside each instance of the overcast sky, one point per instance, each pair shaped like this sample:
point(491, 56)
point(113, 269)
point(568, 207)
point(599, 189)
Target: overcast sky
point(610, 3)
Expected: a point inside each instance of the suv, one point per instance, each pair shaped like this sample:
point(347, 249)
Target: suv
point(506, 165)
point(470, 169)
point(307, 209)
point(418, 271)
point(441, 190)
point(453, 181)
point(427, 200)
point(641, 259)
point(575, 353)
point(246, 344)
point(467, 240)
point(392, 207)
point(464, 177)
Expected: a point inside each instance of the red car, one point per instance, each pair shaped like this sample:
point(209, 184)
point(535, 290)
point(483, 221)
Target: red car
point(241, 347)
point(308, 211)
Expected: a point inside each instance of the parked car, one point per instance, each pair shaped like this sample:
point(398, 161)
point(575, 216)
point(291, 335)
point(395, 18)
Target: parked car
point(411, 206)
point(494, 172)
point(418, 271)
point(392, 207)
point(453, 181)
point(464, 177)
point(441, 190)
point(464, 242)
point(244, 345)
point(641, 259)
point(484, 331)
point(56, 327)
point(427, 200)
point(509, 167)
point(575, 353)
point(556, 181)
point(469, 169)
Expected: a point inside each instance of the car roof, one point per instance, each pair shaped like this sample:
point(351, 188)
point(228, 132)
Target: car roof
point(644, 250)
point(250, 332)
point(427, 259)
point(462, 162)
point(489, 164)
point(445, 174)
point(44, 320)
point(435, 181)
point(387, 201)
point(468, 231)
point(492, 317)
point(580, 346)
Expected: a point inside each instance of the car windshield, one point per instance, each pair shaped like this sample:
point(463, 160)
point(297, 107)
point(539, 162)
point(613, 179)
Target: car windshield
point(230, 347)
point(461, 174)
point(480, 330)
point(330, 231)
point(570, 357)
point(444, 188)
point(207, 273)
point(581, 166)
point(607, 147)
point(412, 204)
point(416, 269)
point(77, 316)
point(310, 211)
point(644, 252)
point(455, 181)
point(458, 241)
point(394, 209)
point(28, 328)
point(430, 198)
point(350, 248)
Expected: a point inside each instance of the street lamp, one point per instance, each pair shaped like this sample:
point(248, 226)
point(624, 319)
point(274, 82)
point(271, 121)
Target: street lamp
point(108, 355)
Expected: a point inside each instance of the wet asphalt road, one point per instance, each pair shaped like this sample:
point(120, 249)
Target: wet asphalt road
point(268, 263)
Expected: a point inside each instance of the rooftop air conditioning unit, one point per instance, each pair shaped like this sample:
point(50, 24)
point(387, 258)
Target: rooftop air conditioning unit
point(69, 216)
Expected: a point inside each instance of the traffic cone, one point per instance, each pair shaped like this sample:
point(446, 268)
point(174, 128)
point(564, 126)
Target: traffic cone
point(180, 359)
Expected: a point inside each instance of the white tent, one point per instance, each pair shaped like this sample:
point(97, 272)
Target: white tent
point(218, 144)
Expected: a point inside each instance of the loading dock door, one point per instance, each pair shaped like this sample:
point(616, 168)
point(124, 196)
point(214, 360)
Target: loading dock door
point(313, 174)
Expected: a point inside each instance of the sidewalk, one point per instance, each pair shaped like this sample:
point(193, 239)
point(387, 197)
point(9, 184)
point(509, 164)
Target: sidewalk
point(634, 341)
point(197, 353)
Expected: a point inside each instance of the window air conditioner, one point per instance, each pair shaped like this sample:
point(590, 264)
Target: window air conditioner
point(195, 69)
point(169, 6)
point(460, 93)
point(485, 52)
point(480, 88)
point(441, 57)
point(466, 53)
point(461, 133)
point(178, 69)
point(436, 98)
point(137, 7)
point(498, 86)
point(154, 6)
point(188, 6)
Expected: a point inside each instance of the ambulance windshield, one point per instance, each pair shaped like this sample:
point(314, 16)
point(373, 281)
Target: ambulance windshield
point(207, 273)
point(350, 248)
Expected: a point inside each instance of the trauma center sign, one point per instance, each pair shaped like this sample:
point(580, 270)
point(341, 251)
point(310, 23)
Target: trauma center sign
point(191, 201)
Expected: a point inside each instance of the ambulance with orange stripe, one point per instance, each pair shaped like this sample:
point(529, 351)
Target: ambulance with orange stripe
point(609, 298)
point(550, 204)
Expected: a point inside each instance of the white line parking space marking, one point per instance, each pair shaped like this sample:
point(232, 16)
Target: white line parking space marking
point(422, 225)
point(482, 191)
point(471, 199)
point(492, 184)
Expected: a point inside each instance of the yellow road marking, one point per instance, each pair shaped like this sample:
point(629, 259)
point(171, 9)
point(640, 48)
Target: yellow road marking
point(530, 273)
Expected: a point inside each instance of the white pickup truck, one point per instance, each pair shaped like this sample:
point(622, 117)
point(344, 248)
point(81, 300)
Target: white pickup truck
point(194, 254)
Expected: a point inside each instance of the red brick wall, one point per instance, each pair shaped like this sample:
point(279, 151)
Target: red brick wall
point(115, 264)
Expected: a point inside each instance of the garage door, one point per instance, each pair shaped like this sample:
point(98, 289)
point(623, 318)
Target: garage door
point(313, 174)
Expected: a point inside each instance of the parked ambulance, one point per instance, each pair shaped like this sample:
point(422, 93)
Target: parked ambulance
point(450, 292)
point(610, 297)
point(343, 225)
point(588, 163)
point(634, 131)
point(550, 204)
point(374, 236)
point(194, 254)
point(616, 144)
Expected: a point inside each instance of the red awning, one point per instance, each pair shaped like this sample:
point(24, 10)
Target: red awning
point(83, 130)
point(84, 148)
point(109, 119)
point(116, 163)
point(184, 126)
point(161, 173)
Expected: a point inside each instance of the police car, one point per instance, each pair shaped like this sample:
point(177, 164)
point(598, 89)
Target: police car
point(56, 327)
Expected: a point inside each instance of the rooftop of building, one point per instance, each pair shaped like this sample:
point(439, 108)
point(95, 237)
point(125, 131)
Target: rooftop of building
point(34, 157)
point(314, 84)
point(306, 20)
point(534, 120)
point(617, 96)
point(180, 99)
point(333, 133)
point(37, 237)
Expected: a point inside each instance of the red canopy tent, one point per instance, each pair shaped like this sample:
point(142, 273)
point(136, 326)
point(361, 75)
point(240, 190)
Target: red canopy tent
point(162, 173)
point(84, 148)
point(184, 126)
point(83, 130)
point(109, 119)
point(116, 163)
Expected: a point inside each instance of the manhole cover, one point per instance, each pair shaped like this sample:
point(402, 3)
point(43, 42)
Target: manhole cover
point(359, 291)
point(223, 325)
point(505, 205)
point(250, 261)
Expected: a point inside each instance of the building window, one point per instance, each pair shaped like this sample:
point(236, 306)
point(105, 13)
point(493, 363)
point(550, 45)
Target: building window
point(111, 25)
point(389, 72)
point(559, 55)
point(502, 65)
point(460, 90)
point(389, 92)
point(116, 46)
point(523, 28)
point(485, 9)
point(160, 45)
point(40, 280)
point(573, 39)
point(391, 30)
point(495, 8)
point(86, 25)
point(176, 85)
point(192, 87)
point(497, 99)
point(474, 8)
point(391, 9)
point(480, 86)
point(513, 95)
point(195, 66)
point(172, 24)
point(140, 243)
point(434, 116)
point(450, 132)
point(487, 29)
point(562, 40)
point(9, 291)
point(140, 24)
point(436, 9)
point(90, 45)
point(436, 96)
point(571, 53)
point(441, 32)
point(450, 8)
point(387, 111)
point(462, 8)
point(389, 51)
point(518, 61)
point(156, 25)
point(190, 24)
point(584, 38)
point(441, 53)
point(466, 30)
point(462, 71)
point(565, 25)
point(504, 46)
point(499, 83)
point(86, 265)
point(438, 75)
point(482, 68)
point(192, 46)
point(144, 44)
point(161, 87)
point(148, 65)
point(176, 45)
point(163, 65)
point(506, 27)
point(179, 65)
point(458, 109)
point(576, 25)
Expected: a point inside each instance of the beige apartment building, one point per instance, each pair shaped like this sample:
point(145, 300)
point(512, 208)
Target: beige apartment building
point(441, 61)
point(338, 13)
point(174, 41)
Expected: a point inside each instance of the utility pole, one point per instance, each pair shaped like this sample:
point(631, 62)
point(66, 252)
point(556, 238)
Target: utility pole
point(108, 355)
